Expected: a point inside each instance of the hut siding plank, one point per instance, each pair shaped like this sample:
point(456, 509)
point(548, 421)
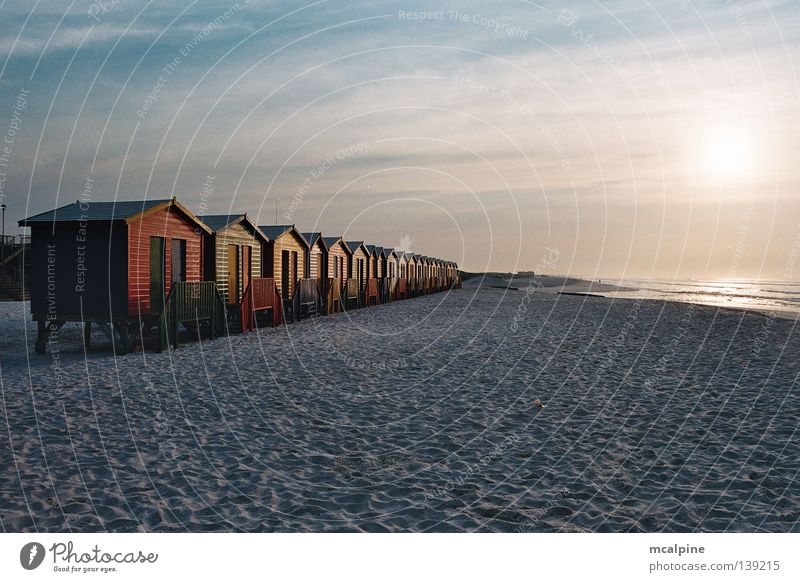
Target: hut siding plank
point(315, 250)
point(236, 234)
point(336, 252)
point(170, 224)
point(288, 241)
point(360, 255)
point(81, 254)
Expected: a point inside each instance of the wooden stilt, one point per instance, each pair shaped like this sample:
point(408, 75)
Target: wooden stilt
point(135, 334)
point(41, 336)
point(106, 329)
point(87, 334)
point(124, 337)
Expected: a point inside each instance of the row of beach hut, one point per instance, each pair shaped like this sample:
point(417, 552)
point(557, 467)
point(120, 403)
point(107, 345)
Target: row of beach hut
point(148, 272)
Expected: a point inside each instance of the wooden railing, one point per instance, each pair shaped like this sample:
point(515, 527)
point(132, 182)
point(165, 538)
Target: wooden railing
point(371, 292)
point(352, 294)
point(401, 292)
point(333, 295)
point(195, 302)
point(15, 239)
point(307, 301)
point(384, 284)
point(261, 294)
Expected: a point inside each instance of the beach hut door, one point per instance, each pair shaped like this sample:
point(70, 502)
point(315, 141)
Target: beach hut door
point(268, 260)
point(178, 263)
point(320, 269)
point(285, 274)
point(233, 273)
point(157, 275)
point(247, 266)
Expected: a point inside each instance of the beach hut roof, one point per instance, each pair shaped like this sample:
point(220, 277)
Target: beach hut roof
point(379, 251)
point(332, 240)
point(274, 231)
point(388, 252)
point(313, 237)
point(94, 211)
point(370, 249)
point(217, 222)
point(354, 244)
point(127, 210)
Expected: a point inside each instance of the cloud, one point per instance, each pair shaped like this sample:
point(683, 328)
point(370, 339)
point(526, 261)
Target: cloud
point(596, 113)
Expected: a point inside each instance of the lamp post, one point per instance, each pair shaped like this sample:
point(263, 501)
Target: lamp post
point(3, 208)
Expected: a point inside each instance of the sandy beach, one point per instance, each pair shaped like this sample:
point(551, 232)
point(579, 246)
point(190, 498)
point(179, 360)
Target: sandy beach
point(414, 416)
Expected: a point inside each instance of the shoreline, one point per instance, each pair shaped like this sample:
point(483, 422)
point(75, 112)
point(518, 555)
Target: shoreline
point(587, 288)
point(762, 312)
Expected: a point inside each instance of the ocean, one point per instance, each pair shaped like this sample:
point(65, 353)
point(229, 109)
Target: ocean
point(778, 297)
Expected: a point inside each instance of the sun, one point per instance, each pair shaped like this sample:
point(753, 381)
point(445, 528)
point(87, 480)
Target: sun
point(727, 157)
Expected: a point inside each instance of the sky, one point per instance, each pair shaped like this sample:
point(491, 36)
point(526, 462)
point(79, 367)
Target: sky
point(606, 140)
